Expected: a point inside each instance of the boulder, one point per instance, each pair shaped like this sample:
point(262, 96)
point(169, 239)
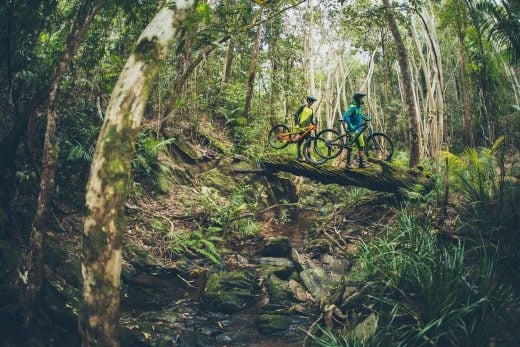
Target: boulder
point(275, 261)
point(298, 292)
point(281, 271)
point(336, 265)
point(277, 247)
point(301, 261)
point(216, 179)
point(231, 291)
point(272, 323)
point(366, 329)
point(316, 281)
point(278, 291)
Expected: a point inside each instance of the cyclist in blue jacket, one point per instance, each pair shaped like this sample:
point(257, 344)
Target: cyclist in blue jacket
point(353, 116)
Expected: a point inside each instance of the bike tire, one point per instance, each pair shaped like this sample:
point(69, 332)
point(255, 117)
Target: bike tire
point(329, 144)
point(379, 146)
point(274, 136)
point(309, 152)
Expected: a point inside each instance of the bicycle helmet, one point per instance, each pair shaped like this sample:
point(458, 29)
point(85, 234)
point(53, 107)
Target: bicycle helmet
point(358, 96)
point(311, 98)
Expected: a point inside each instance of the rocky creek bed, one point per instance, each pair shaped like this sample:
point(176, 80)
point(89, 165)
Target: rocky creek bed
point(271, 298)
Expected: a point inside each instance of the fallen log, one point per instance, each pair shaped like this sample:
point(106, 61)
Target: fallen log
point(381, 176)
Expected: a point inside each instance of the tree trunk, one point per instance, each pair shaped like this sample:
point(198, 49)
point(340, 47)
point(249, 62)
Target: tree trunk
point(469, 139)
point(110, 174)
point(84, 17)
point(485, 82)
point(252, 69)
point(229, 61)
point(381, 176)
point(415, 135)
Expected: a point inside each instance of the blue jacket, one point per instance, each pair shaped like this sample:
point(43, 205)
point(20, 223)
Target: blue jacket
point(354, 117)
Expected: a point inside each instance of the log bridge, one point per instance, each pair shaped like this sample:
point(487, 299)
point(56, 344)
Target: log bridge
point(381, 176)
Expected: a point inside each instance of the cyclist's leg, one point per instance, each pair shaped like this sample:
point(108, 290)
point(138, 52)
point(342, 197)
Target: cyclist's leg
point(300, 144)
point(305, 138)
point(360, 144)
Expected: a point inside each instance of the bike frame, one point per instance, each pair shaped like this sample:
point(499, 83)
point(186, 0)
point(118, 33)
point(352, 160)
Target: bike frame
point(295, 136)
point(348, 144)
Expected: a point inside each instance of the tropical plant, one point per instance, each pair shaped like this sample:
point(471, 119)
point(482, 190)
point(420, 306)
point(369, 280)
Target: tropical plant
point(503, 25)
point(490, 192)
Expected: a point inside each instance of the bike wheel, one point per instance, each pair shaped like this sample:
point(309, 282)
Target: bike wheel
point(309, 152)
point(329, 144)
point(279, 136)
point(379, 146)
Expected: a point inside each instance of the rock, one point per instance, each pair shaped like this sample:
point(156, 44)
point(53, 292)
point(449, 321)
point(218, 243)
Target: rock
point(214, 178)
point(275, 261)
point(277, 247)
point(315, 280)
point(366, 329)
point(167, 316)
point(301, 261)
point(282, 271)
point(348, 292)
point(242, 259)
point(272, 323)
point(334, 265)
point(231, 291)
point(278, 291)
point(318, 247)
point(298, 292)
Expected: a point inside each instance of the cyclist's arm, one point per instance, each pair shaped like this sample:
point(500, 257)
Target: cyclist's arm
point(297, 115)
point(346, 117)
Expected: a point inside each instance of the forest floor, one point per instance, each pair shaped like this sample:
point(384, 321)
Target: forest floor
point(217, 260)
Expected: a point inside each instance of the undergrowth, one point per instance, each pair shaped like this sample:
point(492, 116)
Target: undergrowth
point(430, 288)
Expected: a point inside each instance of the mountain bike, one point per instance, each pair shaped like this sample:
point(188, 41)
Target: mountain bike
point(329, 144)
point(280, 136)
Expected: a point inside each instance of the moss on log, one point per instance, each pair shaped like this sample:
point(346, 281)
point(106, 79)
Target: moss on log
point(379, 176)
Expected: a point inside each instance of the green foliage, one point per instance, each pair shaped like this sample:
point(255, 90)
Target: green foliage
point(490, 191)
point(78, 152)
point(427, 292)
point(146, 161)
point(198, 242)
point(234, 216)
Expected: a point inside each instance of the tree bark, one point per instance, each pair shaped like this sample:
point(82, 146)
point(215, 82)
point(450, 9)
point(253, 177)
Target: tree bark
point(469, 138)
point(415, 134)
point(487, 93)
point(84, 17)
point(380, 176)
point(110, 174)
point(229, 61)
point(252, 69)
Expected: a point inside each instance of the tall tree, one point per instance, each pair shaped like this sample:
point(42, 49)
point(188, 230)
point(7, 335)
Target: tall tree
point(110, 173)
point(252, 68)
point(85, 15)
point(414, 132)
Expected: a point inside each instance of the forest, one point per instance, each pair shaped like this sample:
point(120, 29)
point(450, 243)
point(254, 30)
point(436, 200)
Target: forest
point(259, 173)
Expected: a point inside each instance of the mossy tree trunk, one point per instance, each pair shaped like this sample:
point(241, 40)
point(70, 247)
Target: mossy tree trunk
point(380, 176)
point(110, 174)
point(86, 12)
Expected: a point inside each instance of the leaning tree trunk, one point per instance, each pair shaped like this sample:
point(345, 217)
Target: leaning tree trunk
point(415, 134)
point(84, 17)
point(110, 174)
point(380, 176)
